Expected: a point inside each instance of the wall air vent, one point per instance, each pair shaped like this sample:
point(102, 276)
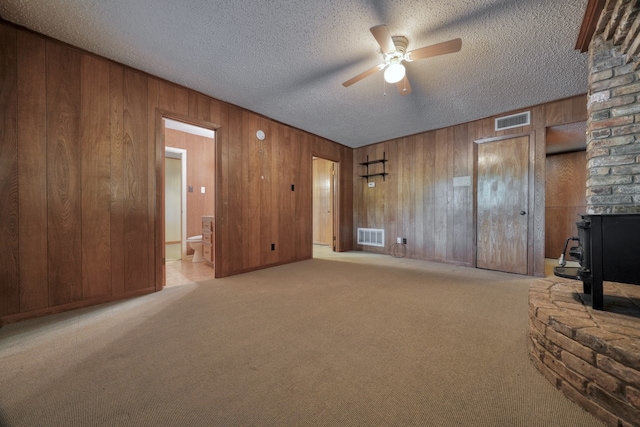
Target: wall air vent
point(371, 237)
point(513, 121)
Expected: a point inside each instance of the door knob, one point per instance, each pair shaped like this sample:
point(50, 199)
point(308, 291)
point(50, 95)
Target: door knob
point(523, 213)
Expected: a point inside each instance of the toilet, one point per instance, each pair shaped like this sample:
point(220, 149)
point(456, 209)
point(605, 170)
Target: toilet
point(196, 244)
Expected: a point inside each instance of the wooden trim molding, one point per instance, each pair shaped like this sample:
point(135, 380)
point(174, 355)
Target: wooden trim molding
point(166, 114)
point(160, 114)
point(502, 137)
point(13, 318)
point(589, 22)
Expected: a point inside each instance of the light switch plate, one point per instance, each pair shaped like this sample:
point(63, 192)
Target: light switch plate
point(202, 190)
point(371, 184)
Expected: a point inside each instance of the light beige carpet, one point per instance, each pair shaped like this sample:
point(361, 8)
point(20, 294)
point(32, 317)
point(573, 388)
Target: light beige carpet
point(340, 340)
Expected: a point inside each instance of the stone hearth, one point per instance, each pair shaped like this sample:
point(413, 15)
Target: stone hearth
point(592, 356)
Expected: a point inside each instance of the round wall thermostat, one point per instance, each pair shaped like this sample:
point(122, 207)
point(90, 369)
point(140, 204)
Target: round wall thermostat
point(260, 135)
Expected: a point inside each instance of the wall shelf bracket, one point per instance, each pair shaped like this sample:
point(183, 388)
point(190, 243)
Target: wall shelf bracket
point(368, 163)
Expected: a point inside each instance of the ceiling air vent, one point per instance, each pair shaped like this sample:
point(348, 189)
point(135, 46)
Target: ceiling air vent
point(513, 121)
point(371, 237)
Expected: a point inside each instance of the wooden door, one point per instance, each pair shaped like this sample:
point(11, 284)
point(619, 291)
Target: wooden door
point(323, 190)
point(503, 184)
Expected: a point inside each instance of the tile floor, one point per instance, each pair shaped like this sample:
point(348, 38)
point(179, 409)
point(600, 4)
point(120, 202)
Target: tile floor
point(183, 272)
point(550, 263)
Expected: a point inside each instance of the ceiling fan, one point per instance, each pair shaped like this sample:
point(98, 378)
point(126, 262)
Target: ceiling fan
point(395, 52)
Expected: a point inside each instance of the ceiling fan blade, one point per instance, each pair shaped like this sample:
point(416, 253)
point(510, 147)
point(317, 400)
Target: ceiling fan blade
point(383, 37)
point(404, 88)
point(435, 49)
point(362, 75)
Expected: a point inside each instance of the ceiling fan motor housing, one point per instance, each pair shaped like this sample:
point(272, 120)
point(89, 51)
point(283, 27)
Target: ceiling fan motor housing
point(400, 43)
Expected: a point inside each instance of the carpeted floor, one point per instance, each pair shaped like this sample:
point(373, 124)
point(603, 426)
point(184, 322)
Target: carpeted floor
point(340, 340)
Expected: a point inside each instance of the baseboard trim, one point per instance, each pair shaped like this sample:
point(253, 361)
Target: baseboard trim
point(17, 317)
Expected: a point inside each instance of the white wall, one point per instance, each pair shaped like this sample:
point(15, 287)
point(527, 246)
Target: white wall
point(173, 186)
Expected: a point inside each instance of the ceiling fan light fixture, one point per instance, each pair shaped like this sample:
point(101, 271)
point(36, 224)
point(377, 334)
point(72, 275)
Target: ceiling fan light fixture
point(394, 52)
point(394, 72)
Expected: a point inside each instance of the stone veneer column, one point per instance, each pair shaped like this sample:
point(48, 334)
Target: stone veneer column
point(613, 136)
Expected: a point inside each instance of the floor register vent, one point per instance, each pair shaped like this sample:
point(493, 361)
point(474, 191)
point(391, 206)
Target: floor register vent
point(371, 237)
point(513, 121)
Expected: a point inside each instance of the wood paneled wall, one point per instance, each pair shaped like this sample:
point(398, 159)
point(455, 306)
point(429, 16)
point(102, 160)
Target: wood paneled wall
point(200, 173)
point(9, 192)
point(80, 172)
point(566, 189)
point(419, 202)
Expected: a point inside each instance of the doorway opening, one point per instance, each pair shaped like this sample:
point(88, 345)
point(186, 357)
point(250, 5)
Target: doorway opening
point(175, 204)
point(565, 187)
point(324, 203)
point(188, 184)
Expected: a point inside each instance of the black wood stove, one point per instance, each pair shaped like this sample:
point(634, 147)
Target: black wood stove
point(608, 249)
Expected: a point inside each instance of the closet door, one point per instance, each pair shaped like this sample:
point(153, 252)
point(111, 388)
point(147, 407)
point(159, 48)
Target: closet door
point(503, 183)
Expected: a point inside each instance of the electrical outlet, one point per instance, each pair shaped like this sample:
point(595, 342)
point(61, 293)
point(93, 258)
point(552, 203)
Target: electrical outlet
point(399, 240)
point(404, 241)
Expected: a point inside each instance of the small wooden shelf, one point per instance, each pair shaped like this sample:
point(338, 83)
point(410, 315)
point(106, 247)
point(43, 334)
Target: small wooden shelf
point(382, 174)
point(382, 161)
point(372, 162)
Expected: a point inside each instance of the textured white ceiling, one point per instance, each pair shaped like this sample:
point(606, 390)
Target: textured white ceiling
point(287, 59)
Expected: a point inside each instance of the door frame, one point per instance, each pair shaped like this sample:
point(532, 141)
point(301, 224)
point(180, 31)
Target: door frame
point(336, 199)
point(544, 181)
point(533, 216)
point(159, 147)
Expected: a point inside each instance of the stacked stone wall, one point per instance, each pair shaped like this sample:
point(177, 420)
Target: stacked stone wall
point(613, 139)
point(593, 357)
